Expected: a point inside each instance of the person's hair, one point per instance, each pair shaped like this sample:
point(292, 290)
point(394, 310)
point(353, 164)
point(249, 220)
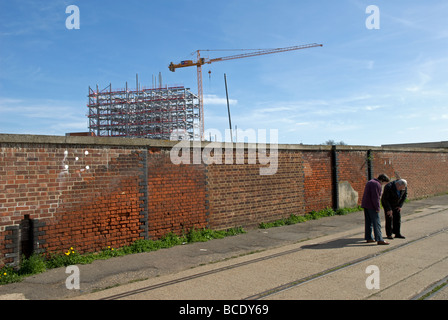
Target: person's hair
point(384, 178)
point(402, 182)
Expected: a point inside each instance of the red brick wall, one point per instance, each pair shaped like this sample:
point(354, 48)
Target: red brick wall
point(101, 211)
point(318, 181)
point(6, 241)
point(382, 163)
point(240, 196)
point(352, 167)
point(91, 198)
point(425, 172)
point(88, 197)
point(176, 195)
point(122, 190)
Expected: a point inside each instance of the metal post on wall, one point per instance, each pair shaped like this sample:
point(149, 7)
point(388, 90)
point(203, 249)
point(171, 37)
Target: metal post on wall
point(335, 177)
point(369, 165)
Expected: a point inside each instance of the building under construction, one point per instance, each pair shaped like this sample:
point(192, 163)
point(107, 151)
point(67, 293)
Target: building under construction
point(144, 113)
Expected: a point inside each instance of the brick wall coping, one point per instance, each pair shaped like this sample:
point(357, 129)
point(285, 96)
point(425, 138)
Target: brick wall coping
point(143, 143)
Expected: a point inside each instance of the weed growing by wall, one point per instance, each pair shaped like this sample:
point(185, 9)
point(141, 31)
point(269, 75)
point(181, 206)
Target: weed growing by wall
point(313, 215)
point(38, 263)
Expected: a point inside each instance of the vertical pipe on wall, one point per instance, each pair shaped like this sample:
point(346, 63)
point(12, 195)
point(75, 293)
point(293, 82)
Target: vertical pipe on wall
point(369, 165)
point(144, 220)
point(335, 177)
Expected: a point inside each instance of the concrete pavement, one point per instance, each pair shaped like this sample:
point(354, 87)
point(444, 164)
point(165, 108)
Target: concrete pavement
point(253, 264)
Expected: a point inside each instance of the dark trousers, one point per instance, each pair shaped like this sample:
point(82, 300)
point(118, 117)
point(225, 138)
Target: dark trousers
point(393, 224)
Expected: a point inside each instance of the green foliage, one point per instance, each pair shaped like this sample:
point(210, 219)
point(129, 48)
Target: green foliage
point(344, 211)
point(68, 258)
point(313, 215)
point(8, 275)
point(39, 263)
point(33, 265)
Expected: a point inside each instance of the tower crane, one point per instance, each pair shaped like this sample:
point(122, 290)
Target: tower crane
point(201, 61)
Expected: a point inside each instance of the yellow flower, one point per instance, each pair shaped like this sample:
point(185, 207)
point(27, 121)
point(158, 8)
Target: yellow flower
point(67, 253)
point(5, 274)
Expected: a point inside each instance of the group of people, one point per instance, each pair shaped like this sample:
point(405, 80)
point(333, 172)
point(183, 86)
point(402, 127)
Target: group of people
point(392, 199)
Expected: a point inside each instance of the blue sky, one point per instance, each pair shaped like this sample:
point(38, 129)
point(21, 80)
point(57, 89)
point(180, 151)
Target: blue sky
point(363, 87)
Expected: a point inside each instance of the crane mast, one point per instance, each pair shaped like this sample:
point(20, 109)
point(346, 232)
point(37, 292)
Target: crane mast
point(201, 61)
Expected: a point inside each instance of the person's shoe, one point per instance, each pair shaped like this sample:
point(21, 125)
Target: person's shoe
point(383, 243)
point(390, 237)
point(370, 241)
point(400, 236)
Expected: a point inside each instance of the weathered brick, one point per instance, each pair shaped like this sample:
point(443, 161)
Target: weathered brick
point(127, 193)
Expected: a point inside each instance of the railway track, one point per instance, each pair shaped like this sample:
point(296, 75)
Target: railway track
point(298, 282)
point(275, 290)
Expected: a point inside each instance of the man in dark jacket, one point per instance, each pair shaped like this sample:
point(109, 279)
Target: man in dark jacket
point(371, 204)
point(394, 195)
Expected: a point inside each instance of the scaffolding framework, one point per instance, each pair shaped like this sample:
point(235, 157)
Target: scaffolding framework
point(146, 113)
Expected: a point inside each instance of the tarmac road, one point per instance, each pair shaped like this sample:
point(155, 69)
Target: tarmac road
point(320, 259)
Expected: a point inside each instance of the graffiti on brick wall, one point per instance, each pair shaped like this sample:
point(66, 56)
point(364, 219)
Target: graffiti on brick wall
point(66, 166)
point(70, 166)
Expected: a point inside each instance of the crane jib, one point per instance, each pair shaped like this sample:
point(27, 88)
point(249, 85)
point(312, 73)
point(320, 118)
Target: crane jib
point(201, 61)
point(258, 52)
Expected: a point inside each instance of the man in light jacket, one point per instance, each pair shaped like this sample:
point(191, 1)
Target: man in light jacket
point(371, 204)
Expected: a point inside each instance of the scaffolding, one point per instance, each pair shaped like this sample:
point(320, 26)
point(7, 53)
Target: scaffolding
point(144, 113)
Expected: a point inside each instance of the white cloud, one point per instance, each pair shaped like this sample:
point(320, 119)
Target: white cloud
point(423, 80)
point(372, 108)
point(41, 116)
point(4, 102)
point(211, 99)
point(275, 109)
